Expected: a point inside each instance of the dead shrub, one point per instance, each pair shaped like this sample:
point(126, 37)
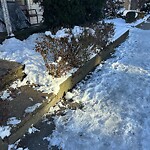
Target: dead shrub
point(63, 54)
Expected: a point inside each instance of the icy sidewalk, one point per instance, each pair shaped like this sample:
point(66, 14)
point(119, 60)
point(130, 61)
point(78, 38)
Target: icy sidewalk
point(116, 113)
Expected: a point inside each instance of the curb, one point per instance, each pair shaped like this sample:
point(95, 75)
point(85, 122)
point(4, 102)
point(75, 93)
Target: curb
point(68, 84)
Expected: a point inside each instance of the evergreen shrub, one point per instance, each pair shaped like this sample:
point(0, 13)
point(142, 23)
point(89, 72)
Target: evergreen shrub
point(70, 12)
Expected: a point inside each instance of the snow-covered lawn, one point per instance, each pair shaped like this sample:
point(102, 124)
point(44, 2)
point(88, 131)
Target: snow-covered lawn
point(116, 113)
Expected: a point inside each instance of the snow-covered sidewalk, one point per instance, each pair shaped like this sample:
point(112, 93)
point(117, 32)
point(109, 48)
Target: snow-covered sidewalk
point(116, 113)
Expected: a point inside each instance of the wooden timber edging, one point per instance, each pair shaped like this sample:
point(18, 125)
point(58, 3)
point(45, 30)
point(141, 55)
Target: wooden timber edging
point(67, 85)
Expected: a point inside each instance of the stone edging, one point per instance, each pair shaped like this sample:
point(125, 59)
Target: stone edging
point(68, 84)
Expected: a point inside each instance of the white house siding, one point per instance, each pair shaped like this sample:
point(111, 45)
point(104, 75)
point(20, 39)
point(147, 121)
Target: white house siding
point(32, 5)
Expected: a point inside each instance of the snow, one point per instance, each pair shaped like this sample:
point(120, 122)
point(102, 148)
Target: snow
point(4, 131)
point(13, 121)
point(126, 11)
point(6, 95)
point(33, 130)
point(116, 103)
point(76, 31)
point(15, 145)
point(62, 33)
point(32, 108)
point(69, 95)
point(121, 26)
point(48, 33)
point(23, 52)
point(65, 32)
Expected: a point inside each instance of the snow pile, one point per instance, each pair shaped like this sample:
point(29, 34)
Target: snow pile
point(66, 32)
point(116, 113)
point(23, 52)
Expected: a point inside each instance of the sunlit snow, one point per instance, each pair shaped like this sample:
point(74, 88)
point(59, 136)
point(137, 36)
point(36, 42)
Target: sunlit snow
point(116, 113)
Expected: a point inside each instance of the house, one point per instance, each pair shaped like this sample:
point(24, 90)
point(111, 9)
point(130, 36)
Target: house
point(34, 10)
point(133, 4)
point(18, 18)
